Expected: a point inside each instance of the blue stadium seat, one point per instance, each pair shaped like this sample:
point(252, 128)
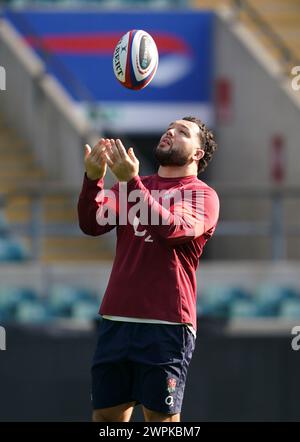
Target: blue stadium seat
point(31, 312)
point(216, 300)
point(243, 309)
point(290, 309)
point(12, 250)
point(86, 310)
point(10, 297)
point(62, 297)
point(269, 298)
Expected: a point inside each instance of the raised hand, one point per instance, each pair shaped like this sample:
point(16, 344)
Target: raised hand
point(94, 160)
point(124, 165)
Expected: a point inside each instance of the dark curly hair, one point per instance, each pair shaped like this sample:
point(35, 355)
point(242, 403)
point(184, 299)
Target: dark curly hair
point(208, 143)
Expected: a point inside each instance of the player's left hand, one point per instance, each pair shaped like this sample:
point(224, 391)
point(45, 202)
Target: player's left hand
point(124, 165)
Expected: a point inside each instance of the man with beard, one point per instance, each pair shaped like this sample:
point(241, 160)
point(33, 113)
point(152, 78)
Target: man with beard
point(148, 328)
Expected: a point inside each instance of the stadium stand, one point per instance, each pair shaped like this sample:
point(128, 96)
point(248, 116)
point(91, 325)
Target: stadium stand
point(290, 309)
point(67, 301)
point(45, 219)
point(62, 301)
point(283, 18)
point(85, 310)
point(12, 250)
point(28, 208)
point(265, 301)
point(11, 298)
point(243, 309)
point(275, 23)
point(32, 312)
point(217, 299)
point(246, 311)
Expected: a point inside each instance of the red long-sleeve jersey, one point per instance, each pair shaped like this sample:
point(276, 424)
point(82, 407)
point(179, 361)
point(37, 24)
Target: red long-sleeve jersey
point(159, 243)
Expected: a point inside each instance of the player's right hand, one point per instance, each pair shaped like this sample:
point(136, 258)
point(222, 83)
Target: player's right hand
point(94, 160)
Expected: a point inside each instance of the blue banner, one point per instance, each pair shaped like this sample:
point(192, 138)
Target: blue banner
point(83, 43)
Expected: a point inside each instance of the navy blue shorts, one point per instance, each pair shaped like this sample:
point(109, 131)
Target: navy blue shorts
point(146, 363)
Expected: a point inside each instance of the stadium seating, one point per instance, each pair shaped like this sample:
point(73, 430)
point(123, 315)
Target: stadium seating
point(11, 297)
point(61, 299)
point(65, 301)
point(266, 300)
point(32, 312)
point(290, 309)
point(216, 300)
point(85, 310)
point(12, 250)
point(282, 18)
point(243, 309)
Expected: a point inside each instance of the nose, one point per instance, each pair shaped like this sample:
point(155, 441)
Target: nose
point(170, 132)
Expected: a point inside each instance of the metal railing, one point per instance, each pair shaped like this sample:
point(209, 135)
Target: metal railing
point(273, 226)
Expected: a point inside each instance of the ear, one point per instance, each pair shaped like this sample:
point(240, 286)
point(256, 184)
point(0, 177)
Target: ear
point(199, 153)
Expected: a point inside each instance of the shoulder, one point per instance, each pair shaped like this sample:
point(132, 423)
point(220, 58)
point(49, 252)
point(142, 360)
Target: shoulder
point(210, 200)
point(203, 187)
point(211, 191)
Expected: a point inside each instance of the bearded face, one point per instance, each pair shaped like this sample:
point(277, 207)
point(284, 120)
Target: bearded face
point(178, 144)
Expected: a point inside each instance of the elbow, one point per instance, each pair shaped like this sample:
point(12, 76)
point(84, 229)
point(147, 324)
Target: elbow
point(86, 229)
point(86, 222)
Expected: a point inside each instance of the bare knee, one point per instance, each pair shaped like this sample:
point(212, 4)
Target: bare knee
point(98, 416)
point(119, 413)
point(154, 416)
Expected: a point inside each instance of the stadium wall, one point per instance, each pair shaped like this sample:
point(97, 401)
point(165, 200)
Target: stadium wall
point(260, 108)
point(259, 105)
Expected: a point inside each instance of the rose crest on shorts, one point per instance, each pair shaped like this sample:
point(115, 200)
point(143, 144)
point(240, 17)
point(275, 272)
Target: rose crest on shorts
point(171, 385)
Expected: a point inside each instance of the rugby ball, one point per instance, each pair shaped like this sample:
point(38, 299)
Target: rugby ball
point(135, 59)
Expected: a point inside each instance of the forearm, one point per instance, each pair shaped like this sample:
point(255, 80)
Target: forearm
point(88, 206)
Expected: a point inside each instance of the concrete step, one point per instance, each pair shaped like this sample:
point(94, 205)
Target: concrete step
point(54, 209)
point(15, 150)
point(56, 257)
point(16, 162)
point(266, 41)
point(16, 166)
point(8, 140)
point(55, 248)
point(274, 4)
point(75, 249)
point(18, 169)
point(21, 175)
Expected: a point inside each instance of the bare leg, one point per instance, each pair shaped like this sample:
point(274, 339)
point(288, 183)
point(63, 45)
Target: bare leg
point(119, 413)
point(154, 416)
